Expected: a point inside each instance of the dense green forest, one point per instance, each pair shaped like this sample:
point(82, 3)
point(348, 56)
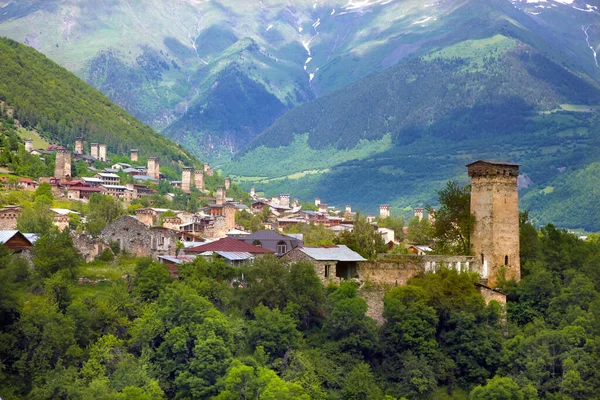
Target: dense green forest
point(60, 106)
point(124, 328)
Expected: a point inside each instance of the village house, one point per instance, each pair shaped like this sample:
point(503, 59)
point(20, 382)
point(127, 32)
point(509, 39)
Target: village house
point(273, 241)
point(116, 191)
point(108, 178)
point(234, 251)
point(140, 240)
point(332, 263)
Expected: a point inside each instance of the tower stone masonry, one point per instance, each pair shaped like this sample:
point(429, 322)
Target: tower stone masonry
point(220, 195)
point(134, 155)
point(199, 180)
point(62, 166)
point(419, 212)
point(384, 211)
point(187, 179)
point(154, 167)
point(495, 207)
point(227, 183)
point(79, 145)
point(102, 152)
point(94, 150)
point(29, 145)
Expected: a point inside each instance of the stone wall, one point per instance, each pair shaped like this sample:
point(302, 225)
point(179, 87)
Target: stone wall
point(88, 247)
point(139, 239)
point(8, 218)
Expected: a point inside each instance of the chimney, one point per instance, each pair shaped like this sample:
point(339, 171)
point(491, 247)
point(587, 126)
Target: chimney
point(79, 145)
point(384, 211)
point(134, 154)
point(29, 145)
point(154, 167)
point(220, 195)
point(199, 180)
point(94, 150)
point(419, 213)
point(187, 179)
point(102, 152)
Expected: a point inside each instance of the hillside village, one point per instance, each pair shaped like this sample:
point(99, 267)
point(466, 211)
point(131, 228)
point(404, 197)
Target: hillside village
point(213, 230)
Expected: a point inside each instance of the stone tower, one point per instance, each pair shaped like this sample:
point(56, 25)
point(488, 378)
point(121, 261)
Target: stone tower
point(317, 202)
point(284, 200)
point(229, 213)
point(323, 208)
point(79, 145)
point(29, 145)
point(102, 152)
point(199, 180)
point(134, 155)
point(227, 183)
point(348, 211)
point(154, 168)
point(419, 212)
point(94, 150)
point(495, 207)
point(62, 167)
point(187, 179)
point(252, 192)
point(220, 195)
point(206, 167)
point(384, 211)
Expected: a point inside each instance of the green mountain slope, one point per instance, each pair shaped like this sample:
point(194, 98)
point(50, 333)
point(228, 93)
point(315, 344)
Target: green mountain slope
point(163, 61)
point(61, 107)
point(405, 131)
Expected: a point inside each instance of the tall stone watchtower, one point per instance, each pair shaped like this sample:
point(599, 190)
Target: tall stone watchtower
point(134, 155)
point(220, 195)
point(199, 180)
point(187, 179)
point(79, 145)
point(29, 145)
point(94, 150)
point(154, 168)
point(62, 167)
point(384, 211)
point(495, 206)
point(102, 152)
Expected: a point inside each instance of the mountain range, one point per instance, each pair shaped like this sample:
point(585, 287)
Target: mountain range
point(365, 102)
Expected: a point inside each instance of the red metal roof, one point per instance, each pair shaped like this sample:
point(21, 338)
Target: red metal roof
point(228, 244)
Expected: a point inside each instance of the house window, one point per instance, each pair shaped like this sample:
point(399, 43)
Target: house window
point(327, 271)
point(281, 247)
point(257, 243)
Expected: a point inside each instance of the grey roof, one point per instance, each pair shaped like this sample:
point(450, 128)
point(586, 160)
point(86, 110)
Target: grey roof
point(109, 175)
point(5, 236)
point(334, 253)
point(128, 170)
point(32, 237)
point(235, 255)
point(94, 180)
point(177, 260)
point(494, 162)
point(143, 178)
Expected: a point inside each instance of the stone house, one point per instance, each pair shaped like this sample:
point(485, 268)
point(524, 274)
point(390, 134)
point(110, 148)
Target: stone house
point(332, 263)
point(8, 217)
point(139, 239)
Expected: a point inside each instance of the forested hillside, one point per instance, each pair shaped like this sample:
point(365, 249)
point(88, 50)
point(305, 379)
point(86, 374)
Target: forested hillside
point(123, 328)
point(397, 136)
point(60, 106)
